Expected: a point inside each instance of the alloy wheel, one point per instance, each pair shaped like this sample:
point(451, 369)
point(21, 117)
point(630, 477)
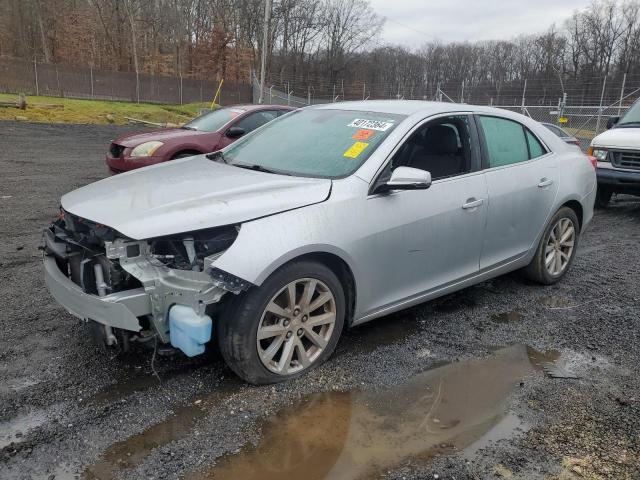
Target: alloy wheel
point(296, 326)
point(559, 247)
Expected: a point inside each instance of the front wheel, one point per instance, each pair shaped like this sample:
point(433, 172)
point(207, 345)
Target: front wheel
point(556, 250)
point(285, 327)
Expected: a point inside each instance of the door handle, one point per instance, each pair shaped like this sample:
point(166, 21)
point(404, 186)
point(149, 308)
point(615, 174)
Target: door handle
point(545, 182)
point(472, 203)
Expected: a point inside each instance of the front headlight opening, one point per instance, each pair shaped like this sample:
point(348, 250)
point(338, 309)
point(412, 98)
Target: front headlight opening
point(146, 149)
point(600, 154)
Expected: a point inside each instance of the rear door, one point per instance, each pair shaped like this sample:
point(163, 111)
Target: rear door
point(522, 183)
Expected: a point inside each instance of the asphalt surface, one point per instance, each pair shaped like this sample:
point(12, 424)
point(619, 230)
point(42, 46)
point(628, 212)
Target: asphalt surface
point(70, 410)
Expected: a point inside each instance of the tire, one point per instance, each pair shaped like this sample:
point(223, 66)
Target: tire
point(539, 270)
point(248, 314)
point(603, 196)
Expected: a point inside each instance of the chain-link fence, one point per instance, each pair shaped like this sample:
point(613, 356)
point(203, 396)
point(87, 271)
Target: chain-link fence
point(582, 121)
point(32, 78)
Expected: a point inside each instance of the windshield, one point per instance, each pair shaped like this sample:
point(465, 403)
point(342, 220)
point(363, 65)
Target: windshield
point(213, 121)
point(314, 143)
point(632, 115)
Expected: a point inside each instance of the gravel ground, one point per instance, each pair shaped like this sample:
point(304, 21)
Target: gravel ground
point(70, 410)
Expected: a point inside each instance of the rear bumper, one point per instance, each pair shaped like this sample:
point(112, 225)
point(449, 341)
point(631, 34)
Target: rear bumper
point(622, 181)
point(118, 310)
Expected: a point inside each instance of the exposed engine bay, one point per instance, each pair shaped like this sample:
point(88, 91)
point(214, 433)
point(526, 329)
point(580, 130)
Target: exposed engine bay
point(148, 277)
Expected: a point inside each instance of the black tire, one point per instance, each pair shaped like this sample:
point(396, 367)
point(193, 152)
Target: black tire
point(603, 196)
point(238, 323)
point(536, 270)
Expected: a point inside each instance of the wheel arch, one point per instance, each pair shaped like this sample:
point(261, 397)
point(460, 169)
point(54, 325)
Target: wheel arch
point(576, 206)
point(334, 261)
point(185, 150)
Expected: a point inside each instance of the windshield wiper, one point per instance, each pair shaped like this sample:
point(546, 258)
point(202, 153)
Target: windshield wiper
point(186, 127)
point(631, 124)
point(216, 156)
point(258, 168)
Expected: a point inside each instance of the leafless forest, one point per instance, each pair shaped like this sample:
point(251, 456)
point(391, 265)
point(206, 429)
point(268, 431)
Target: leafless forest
point(334, 46)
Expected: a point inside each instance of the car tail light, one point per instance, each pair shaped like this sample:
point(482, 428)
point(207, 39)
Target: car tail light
point(593, 160)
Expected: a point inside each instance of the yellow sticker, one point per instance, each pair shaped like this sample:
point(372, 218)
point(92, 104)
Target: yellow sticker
point(355, 149)
point(563, 120)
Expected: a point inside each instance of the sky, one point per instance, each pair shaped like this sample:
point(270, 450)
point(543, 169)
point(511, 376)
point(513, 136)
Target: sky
point(414, 22)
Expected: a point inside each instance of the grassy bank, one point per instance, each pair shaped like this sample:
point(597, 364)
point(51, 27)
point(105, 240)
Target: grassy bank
point(67, 110)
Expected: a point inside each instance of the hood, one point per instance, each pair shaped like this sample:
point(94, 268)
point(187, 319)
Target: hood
point(621, 137)
point(161, 135)
point(189, 194)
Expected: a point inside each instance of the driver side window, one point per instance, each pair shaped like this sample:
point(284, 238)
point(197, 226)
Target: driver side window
point(256, 119)
point(441, 147)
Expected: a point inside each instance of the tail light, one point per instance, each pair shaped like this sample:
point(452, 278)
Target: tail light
point(593, 160)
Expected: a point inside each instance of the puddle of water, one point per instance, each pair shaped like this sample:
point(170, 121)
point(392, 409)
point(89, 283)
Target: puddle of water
point(555, 302)
point(128, 382)
point(14, 430)
point(358, 434)
point(507, 317)
point(133, 450)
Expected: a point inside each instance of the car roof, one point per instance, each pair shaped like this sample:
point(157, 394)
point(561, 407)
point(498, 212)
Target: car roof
point(250, 107)
point(410, 107)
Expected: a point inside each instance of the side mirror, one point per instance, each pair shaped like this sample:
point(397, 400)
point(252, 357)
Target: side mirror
point(406, 178)
point(235, 132)
point(612, 121)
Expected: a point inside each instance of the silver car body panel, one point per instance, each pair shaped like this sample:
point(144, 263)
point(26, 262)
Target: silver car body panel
point(402, 248)
point(120, 310)
point(189, 194)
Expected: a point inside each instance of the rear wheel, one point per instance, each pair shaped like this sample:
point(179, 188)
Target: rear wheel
point(285, 327)
point(556, 250)
point(603, 196)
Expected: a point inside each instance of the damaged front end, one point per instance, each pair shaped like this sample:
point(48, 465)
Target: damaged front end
point(163, 288)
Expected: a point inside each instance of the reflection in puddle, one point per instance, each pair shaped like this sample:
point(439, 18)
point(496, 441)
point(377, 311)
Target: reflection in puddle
point(357, 434)
point(507, 317)
point(13, 430)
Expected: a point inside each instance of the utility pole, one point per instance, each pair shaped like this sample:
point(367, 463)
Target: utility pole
point(624, 82)
point(265, 39)
point(524, 92)
point(604, 86)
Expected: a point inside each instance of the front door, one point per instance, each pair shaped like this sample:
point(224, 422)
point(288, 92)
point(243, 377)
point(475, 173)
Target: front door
point(425, 239)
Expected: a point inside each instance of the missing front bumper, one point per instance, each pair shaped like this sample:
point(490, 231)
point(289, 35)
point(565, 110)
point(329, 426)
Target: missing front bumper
point(118, 310)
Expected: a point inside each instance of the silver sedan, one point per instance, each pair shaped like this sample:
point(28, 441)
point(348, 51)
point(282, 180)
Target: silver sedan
point(326, 218)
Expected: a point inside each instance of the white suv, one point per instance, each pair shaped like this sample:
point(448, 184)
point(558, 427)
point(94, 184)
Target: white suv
point(618, 153)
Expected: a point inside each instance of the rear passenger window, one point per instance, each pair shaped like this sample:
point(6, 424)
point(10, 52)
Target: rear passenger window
point(506, 142)
point(535, 147)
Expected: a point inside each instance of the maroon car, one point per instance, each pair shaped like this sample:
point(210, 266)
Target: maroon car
point(207, 133)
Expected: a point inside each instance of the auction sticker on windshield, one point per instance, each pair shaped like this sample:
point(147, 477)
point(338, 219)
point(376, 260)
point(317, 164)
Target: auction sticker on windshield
point(355, 149)
point(362, 134)
point(371, 124)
